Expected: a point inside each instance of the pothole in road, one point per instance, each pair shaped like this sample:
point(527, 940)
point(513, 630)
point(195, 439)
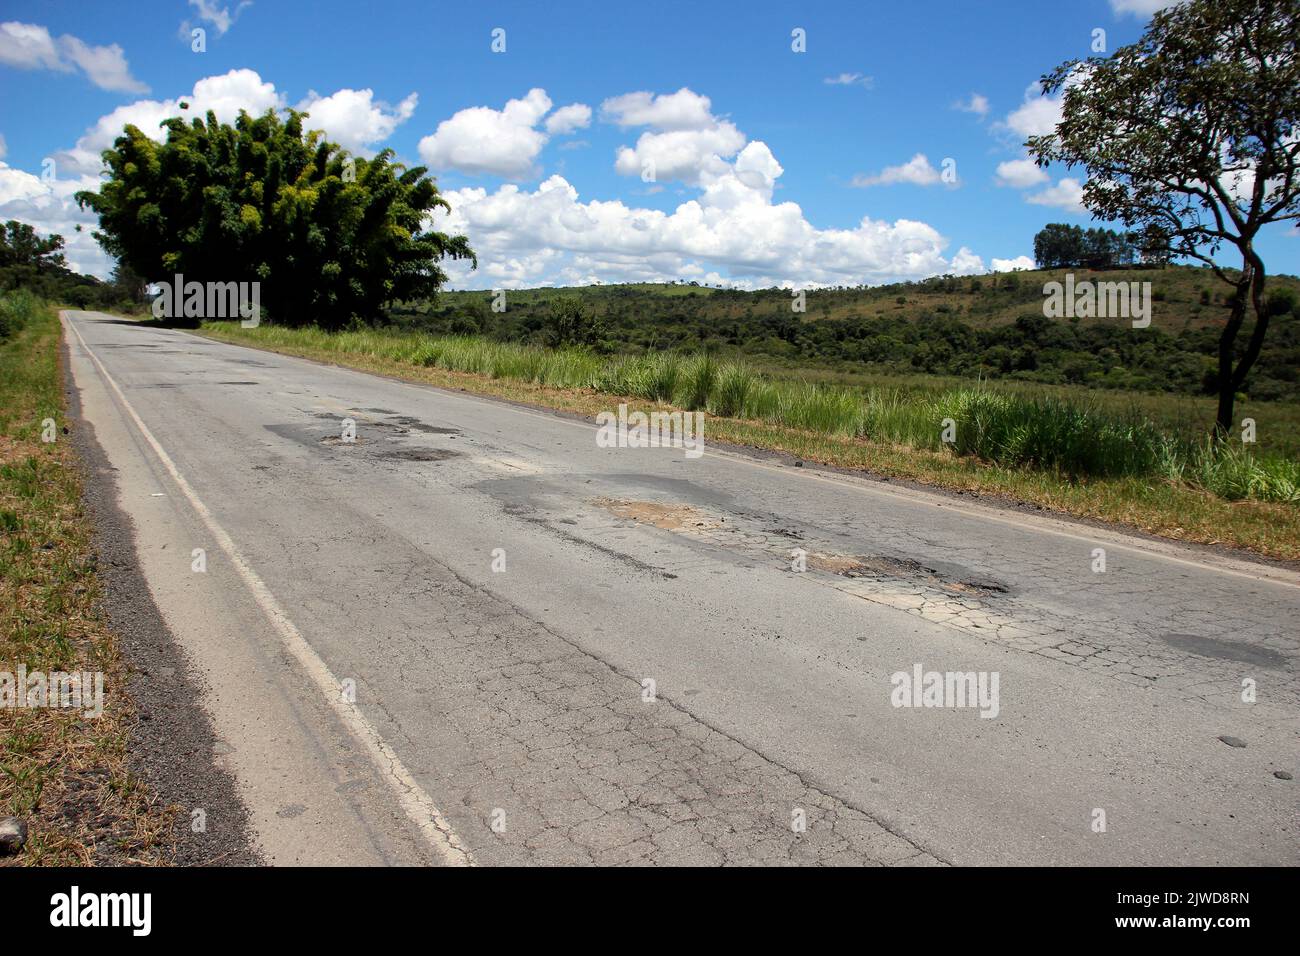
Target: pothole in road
point(685, 519)
point(333, 440)
point(886, 566)
point(419, 454)
point(416, 425)
point(399, 424)
point(665, 516)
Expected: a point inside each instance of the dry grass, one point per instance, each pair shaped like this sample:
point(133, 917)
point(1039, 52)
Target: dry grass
point(66, 774)
point(1152, 505)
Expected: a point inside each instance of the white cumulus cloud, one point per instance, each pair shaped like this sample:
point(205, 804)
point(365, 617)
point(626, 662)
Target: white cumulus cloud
point(219, 16)
point(977, 103)
point(479, 139)
point(569, 118)
point(354, 119)
point(688, 155)
point(917, 171)
point(686, 142)
point(1066, 194)
point(731, 232)
point(29, 46)
point(1037, 115)
point(1013, 265)
point(684, 109)
point(1140, 8)
point(1020, 174)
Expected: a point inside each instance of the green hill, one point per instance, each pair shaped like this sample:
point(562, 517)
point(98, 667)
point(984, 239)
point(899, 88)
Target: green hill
point(988, 327)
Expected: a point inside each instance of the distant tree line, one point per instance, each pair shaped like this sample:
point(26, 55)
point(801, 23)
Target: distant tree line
point(1059, 245)
point(928, 333)
point(37, 263)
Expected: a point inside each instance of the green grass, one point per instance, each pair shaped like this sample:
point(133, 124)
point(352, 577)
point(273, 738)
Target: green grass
point(1185, 417)
point(1074, 438)
point(65, 774)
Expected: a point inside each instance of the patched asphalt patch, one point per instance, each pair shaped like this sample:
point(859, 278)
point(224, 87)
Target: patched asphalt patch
point(1226, 650)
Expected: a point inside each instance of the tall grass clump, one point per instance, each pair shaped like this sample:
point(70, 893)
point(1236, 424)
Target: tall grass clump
point(731, 391)
point(652, 377)
point(891, 416)
point(695, 382)
point(819, 408)
point(1048, 434)
point(17, 308)
point(556, 368)
point(1230, 471)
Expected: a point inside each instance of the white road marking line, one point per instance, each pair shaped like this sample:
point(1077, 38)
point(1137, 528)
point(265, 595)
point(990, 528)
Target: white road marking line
point(417, 804)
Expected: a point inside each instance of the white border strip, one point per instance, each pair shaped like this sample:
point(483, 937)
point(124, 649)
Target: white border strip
point(418, 805)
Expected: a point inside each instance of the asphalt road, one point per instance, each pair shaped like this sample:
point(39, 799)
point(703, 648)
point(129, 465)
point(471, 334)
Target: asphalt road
point(645, 676)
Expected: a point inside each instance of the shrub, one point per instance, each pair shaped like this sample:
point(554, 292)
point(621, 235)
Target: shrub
point(16, 309)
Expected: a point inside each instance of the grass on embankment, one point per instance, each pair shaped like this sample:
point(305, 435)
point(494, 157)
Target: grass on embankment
point(1049, 452)
point(64, 773)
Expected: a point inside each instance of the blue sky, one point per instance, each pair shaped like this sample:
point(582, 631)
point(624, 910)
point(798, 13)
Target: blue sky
point(608, 142)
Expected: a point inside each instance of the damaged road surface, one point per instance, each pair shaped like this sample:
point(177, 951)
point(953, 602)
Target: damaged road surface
point(464, 634)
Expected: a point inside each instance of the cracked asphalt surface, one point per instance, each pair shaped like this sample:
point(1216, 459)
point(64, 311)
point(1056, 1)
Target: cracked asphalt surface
point(610, 656)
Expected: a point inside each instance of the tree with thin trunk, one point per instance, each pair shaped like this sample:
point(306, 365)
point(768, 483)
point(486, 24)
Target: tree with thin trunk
point(1191, 133)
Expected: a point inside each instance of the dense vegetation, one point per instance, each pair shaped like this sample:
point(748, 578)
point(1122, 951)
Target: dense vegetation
point(989, 327)
point(1060, 245)
point(37, 265)
point(329, 237)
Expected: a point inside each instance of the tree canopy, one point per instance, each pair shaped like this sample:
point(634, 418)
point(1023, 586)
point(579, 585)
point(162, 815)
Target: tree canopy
point(37, 264)
point(330, 237)
point(1059, 245)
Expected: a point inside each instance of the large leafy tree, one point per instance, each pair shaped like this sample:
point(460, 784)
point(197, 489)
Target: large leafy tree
point(1058, 244)
point(329, 236)
point(1191, 133)
point(22, 247)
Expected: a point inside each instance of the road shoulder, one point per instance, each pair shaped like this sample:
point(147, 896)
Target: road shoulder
point(172, 744)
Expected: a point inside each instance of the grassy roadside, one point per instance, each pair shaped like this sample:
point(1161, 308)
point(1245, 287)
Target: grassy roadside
point(64, 773)
point(1174, 509)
